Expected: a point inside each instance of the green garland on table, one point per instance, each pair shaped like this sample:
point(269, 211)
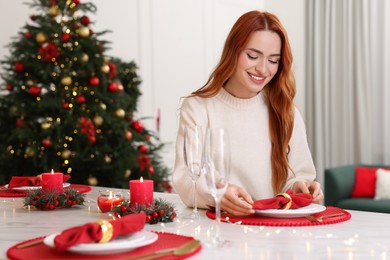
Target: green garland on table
point(159, 211)
point(50, 200)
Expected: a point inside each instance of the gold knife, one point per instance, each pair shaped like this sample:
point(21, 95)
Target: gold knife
point(32, 243)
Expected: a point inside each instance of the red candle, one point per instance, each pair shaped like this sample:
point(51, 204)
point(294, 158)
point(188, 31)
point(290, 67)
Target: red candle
point(52, 181)
point(141, 192)
point(107, 200)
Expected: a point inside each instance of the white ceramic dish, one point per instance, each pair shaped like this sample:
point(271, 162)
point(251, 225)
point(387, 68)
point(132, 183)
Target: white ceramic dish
point(119, 245)
point(27, 188)
point(291, 213)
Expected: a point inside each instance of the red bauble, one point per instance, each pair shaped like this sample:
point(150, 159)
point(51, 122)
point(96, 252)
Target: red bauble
point(112, 87)
point(151, 170)
point(18, 66)
point(66, 105)
point(76, 2)
point(84, 20)
point(81, 99)
point(19, 122)
point(46, 143)
point(113, 69)
point(65, 37)
point(137, 125)
point(120, 88)
point(142, 148)
point(129, 135)
point(27, 35)
point(34, 91)
point(9, 87)
point(48, 51)
point(33, 17)
point(94, 81)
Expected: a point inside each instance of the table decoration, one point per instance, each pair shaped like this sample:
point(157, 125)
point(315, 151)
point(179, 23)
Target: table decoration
point(141, 192)
point(52, 181)
point(49, 199)
point(6, 192)
point(159, 211)
point(272, 221)
point(108, 199)
point(30, 181)
point(165, 240)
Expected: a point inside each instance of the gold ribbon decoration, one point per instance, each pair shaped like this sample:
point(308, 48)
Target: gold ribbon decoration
point(107, 231)
point(287, 196)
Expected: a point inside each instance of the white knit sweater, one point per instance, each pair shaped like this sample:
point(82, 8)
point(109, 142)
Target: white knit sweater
point(247, 124)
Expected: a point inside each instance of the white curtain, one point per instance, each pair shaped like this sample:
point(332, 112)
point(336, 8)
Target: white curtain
point(348, 82)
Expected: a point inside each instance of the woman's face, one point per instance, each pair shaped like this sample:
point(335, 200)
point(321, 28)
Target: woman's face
point(257, 65)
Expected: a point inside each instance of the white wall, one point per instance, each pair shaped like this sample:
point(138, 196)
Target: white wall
point(175, 43)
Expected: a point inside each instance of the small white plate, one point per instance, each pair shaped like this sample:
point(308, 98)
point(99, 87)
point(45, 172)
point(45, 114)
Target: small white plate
point(119, 245)
point(291, 213)
point(27, 188)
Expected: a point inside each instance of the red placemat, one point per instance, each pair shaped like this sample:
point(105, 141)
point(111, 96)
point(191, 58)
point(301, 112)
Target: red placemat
point(41, 251)
point(4, 192)
point(301, 221)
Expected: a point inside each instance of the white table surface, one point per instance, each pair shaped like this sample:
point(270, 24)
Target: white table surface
point(365, 236)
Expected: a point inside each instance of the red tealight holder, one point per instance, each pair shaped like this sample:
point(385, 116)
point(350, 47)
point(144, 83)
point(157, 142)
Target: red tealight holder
point(107, 200)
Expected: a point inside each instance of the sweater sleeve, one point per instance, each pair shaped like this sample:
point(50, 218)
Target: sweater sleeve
point(191, 113)
point(300, 158)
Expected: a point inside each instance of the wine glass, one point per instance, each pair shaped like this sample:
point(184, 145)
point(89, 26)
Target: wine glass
point(217, 169)
point(193, 158)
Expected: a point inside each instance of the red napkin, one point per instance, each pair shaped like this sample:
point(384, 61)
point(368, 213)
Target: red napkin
point(279, 202)
point(18, 181)
point(92, 232)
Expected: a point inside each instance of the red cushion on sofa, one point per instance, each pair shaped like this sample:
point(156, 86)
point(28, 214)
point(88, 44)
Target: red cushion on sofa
point(365, 180)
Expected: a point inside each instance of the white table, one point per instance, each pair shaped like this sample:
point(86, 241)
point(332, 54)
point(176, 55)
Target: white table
point(365, 236)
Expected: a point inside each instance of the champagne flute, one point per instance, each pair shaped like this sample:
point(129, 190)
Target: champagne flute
point(217, 169)
point(193, 158)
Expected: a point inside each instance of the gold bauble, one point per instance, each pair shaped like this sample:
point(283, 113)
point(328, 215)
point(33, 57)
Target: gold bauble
point(66, 81)
point(107, 159)
point(54, 11)
point(120, 113)
point(85, 58)
point(13, 110)
point(92, 181)
point(45, 125)
point(30, 152)
point(98, 120)
point(66, 154)
point(127, 173)
point(103, 106)
point(30, 82)
point(105, 68)
point(41, 37)
point(83, 32)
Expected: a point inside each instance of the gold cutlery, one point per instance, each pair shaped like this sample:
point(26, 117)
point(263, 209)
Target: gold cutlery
point(184, 249)
point(321, 218)
point(32, 243)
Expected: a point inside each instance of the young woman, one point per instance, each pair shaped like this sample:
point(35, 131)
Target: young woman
point(250, 93)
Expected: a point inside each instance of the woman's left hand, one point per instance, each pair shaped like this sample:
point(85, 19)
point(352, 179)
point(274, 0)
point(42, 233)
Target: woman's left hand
point(312, 187)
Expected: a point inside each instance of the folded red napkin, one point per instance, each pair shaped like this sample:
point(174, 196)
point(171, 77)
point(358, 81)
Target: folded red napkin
point(100, 232)
point(18, 181)
point(283, 200)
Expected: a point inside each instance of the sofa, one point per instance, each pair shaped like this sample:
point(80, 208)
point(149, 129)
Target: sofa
point(340, 185)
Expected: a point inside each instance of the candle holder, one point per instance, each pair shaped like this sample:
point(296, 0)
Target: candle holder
point(108, 200)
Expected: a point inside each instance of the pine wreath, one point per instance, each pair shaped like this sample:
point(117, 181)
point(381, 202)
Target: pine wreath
point(160, 211)
point(50, 199)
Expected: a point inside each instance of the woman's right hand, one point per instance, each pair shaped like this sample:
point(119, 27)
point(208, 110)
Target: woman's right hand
point(237, 201)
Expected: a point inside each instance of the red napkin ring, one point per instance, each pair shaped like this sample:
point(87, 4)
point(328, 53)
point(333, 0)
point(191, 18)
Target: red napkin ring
point(107, 230)
point(287, 196)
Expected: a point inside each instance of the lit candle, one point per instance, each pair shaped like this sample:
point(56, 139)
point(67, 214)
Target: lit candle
point(141, 192)
point(107, 200)
point(52, 181)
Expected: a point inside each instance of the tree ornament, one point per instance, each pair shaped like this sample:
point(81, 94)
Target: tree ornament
point(27, 35)
point(85, 57)
point(151, 170)
point(19, 122)
point(137, 125)
point(45, 125)
point(112, 87)
point(94, 81)
point(142, 148)
point(80, 99)
point(105, 68)
point(66, 105)
point(84, 20)
point(41, 37)
point(66, 80)
point(129, 135)
point(65, 37)
point(18, 66)
point(113, 70)
point(107, 158)
point(29, 151)
point(33, 17)
point(98, 120)
point(92, 181)
point(30, 82)
point(120, 113)
point(120, 87)
point(83, 32)
point(47, 143)
point(53, 11)
point(66, 154)
point(127, 173)
point(8, 87)
point(48, 51)
point(34, 91)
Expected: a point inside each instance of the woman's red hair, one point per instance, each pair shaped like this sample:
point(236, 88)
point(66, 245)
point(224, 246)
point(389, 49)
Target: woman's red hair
point(279, 92)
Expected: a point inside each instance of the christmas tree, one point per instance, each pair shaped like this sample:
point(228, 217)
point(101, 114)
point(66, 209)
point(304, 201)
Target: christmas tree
point(70, 107)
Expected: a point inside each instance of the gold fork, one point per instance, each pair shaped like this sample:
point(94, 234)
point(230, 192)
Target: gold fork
point(320, 219)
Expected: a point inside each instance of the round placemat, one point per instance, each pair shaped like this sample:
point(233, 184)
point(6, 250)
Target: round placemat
point(41, 251)
point(301, 221)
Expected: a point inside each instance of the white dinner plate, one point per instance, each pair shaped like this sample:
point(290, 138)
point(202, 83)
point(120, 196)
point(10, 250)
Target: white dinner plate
point(27, 188)
point(119, 245)
point(291, 213)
